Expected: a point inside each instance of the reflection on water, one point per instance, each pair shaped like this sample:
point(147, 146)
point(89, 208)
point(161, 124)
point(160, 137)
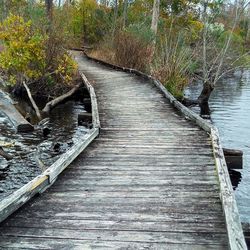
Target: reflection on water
point(22, 168)
point(230, 109)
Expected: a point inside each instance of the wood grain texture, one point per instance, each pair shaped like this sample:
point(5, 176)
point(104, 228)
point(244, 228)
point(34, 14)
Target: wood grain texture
point(233, 224)
point(149, 181)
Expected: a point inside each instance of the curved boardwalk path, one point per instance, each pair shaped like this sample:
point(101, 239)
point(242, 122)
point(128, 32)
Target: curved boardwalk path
point(147, 182)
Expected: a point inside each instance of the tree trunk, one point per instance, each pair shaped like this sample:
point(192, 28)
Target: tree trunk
point(52, 104)
point(115, 17)
point(155, 17)
point(205, 93)
point(49, 9)
point(32, 101)
point(205, 110)
point(125, 12)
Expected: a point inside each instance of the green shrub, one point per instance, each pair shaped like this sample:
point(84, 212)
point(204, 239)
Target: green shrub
point(29, 55)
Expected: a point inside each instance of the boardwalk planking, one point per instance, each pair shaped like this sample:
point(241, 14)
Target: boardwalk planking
point(148, 182)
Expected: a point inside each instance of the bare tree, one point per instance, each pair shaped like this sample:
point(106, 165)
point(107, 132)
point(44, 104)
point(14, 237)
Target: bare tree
point(115, 16)
point(49, 9)
point(3, 9)
point(125, 13)
point(216, 62)
point(155, 16)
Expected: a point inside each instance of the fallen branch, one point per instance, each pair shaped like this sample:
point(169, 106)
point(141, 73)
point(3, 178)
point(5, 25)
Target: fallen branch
point(32, 101)
point(52, 104)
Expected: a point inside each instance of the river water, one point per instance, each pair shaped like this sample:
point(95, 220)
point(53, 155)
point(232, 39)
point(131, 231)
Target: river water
point(28, 147)
point(230, 113)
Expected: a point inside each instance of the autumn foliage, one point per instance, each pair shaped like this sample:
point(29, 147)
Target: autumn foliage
point(24, 57)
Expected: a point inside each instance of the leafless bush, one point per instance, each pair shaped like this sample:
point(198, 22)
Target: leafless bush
point(132, 51)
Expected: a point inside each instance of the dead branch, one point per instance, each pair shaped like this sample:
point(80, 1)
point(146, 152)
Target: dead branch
point(32, 101)
point(52, 104)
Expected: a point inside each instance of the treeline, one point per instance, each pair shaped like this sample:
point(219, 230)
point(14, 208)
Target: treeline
point(177, 41)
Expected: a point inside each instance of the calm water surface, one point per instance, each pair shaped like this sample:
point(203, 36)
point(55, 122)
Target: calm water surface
point(230, 113)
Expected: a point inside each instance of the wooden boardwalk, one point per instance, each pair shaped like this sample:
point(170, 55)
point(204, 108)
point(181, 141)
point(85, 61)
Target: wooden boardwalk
point(147, 182)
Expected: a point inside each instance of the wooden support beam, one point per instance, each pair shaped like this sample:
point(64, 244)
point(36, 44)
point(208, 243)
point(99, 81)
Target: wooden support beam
point(234, 158)
point(8, 108)
point(84, 118)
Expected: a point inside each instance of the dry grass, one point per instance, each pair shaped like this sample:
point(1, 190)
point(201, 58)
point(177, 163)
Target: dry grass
point(104, 54)
point(125, 50)
point(132, 52)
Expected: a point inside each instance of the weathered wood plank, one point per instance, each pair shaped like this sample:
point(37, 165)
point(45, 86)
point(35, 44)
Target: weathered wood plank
point(94, 107)
point(137, 194)
point(125, 236)
point(149, 180)
point(134, 187)
point(55, 169)
point(48, 243)
point(119, 225)
point(234, 229)
point(123, 216)
point(21, 196)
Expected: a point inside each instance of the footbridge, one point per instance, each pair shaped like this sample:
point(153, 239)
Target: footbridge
point(153, 177)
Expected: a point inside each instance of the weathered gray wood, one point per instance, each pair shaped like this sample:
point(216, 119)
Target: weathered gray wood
point(43, 181)
point(234, 228)
point(94, 107)
point(127, 236)
point(100, 244)
point(32, 101)
point(199, 218)
point(150, 178)
point(132, 225)
point(21, 196)
point(14, 116)
point(60, 99)
point(55, 169)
